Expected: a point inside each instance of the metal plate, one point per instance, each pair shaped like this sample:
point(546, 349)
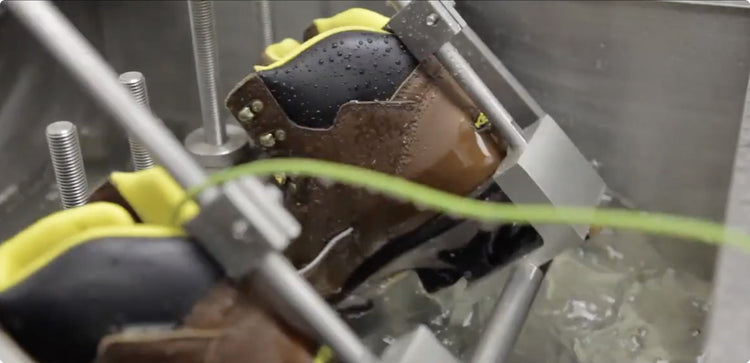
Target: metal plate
point(551, 170)
point(424, 26)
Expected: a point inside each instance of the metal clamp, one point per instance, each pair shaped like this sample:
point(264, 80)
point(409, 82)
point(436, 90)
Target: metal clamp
point(225, 218)
point(428, 25)
point(542, 166)
point(426, 28)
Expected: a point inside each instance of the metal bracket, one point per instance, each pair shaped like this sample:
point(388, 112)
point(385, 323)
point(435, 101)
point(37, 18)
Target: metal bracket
point(225, 218)
point(550, 170)
point(429, 25)
point(426, 28)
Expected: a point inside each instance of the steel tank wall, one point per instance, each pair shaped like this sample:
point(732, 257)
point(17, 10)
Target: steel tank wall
point(34, 91)
point(651, 90)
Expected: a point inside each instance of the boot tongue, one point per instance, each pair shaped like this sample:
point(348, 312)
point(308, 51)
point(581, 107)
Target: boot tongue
point(342, 67)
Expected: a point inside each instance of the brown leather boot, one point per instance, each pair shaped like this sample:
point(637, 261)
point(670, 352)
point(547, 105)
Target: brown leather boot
point(227, 325)
point(112, 282)
point(353, 94)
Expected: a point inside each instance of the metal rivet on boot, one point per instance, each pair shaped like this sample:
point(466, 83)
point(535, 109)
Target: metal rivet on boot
point(267, 140)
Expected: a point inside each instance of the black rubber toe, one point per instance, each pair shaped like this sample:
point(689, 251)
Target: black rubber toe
point(346, 66)
point(60, 313)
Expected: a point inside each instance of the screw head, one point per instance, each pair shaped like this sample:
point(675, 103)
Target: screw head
point(267, 140)
point(256, 106)
point(245, 115)
point(239, 228)
point(280, 135)
point(432, 19)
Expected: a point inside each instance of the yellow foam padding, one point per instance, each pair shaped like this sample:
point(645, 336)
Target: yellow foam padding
point(50, 237)
point(154, 195)
point(353, 16)
point(325, 355)
point(310, 42)
point(279, 50)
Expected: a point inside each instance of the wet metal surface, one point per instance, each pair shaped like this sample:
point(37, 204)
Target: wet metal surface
point(36, 91)
point(727, 341)
point(652, 91)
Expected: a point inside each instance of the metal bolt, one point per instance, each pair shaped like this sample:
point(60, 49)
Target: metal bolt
point(239, 229)
point(432, 19)
point(245, 115)
point(280, 135)
point(266, 21)
point(256, 106)
point(135, 82)
point(203, 32)
point(267, 140)
point(67, 162)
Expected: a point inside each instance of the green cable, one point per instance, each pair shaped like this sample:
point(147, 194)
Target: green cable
point(493, 212)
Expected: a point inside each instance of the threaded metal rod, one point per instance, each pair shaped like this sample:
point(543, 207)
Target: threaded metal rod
point(135, 82)
point(67, 162)
point(266, 21)
point(203, 32)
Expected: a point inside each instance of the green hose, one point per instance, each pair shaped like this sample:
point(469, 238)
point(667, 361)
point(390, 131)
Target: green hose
point(461, 207)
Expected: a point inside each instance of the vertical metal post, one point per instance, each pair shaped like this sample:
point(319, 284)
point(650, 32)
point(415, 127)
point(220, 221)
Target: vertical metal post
point(203, 31)
point(135, 82)
point(70, 48)
point(265, 16)
point(67, 162)
point(217, 144)
point(509, 315)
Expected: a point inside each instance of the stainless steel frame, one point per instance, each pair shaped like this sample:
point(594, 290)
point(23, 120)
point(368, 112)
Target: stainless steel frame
point(550, 87)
